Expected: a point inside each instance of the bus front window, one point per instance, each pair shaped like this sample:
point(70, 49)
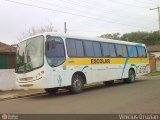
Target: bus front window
point(29, 55)
point(55, 52)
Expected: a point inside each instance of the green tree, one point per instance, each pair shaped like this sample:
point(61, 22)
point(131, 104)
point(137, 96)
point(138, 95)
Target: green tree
point(115, 36)
point(148, 38)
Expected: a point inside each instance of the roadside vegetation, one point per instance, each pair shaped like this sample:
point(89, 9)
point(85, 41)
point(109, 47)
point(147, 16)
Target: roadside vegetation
point(148, 38)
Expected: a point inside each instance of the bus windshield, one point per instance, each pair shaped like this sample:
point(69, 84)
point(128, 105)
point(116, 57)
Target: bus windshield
point(29, 55)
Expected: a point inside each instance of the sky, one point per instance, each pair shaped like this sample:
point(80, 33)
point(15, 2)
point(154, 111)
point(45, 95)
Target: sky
point(83, 17)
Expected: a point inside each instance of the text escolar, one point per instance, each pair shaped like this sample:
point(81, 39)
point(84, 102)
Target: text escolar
point(100, 61)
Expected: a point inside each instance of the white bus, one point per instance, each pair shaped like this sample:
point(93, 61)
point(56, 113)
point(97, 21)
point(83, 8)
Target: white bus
point(52, 61)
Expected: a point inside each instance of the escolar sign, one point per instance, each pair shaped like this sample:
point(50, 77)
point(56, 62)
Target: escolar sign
point(100, 61)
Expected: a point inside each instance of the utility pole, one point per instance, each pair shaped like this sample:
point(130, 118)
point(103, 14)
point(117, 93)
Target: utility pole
point(158, 8)
point(65, 27)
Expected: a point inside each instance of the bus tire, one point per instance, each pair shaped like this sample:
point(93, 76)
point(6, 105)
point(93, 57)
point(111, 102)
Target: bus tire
point(51, 90)
point(109, 83)
point(131, 76)
point(77, 84)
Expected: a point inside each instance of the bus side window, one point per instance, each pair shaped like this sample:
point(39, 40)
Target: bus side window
point(105, 49)
point(142, 52)
point(119, 50)
point(132, 51)
point(124, 51)
point(89, 50)
point(97, 49)
point(75, 48)
point(71, 47)
point(112, 50)
point(47, 46)
point(79, 48)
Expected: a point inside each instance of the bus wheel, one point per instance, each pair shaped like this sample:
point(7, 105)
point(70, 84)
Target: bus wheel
point(77, 84)
point(108, 83)
point(131, 76)
point(51, 90)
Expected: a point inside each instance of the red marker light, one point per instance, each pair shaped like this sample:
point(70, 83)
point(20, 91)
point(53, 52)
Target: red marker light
point(42, 72)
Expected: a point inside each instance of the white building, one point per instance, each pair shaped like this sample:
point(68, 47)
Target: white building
point(7, 65)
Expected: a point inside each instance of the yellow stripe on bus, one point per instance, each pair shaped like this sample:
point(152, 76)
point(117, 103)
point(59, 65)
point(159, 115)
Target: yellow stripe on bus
point(92, 61)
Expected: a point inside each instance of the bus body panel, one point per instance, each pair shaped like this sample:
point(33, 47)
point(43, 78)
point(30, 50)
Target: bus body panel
point(35, 79)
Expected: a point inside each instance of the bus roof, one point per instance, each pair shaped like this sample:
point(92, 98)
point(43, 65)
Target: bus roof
point(91, 38)
point(86, 38)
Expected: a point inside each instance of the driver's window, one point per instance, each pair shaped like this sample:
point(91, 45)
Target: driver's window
point(55, 51)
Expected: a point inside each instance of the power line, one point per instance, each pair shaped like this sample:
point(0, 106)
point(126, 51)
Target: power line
point(129, 4)
point(126, 4)
point(69, 8)
point(56, 5)
point(84, 6)
point(90, 31)
point(149, 2)
point(152, 1)
point(45, 8)
point(89, 6)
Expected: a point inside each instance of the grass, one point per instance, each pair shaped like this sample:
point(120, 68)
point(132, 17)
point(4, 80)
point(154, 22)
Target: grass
point(153, 73)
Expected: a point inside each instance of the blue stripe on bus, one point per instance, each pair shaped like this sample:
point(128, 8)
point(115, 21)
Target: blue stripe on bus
point(131, 51)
